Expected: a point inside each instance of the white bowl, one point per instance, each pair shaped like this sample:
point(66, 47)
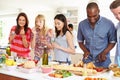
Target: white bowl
point(11, 68)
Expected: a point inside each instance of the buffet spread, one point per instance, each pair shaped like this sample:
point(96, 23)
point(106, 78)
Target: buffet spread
point(33, 70)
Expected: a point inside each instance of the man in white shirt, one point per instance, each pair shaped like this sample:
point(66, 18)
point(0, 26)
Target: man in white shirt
point(115, 9)
point(74, 33)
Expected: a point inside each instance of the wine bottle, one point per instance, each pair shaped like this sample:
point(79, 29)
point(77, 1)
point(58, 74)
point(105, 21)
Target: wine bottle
point(45, 56)
point(8, 51)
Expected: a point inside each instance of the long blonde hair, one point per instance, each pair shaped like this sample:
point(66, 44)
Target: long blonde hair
point(41, 17)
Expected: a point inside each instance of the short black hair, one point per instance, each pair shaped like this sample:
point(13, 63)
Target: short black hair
point(115, 4)
point(70, 26)
point(92, 5)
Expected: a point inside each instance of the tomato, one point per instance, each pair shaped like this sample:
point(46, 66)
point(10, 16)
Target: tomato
point(51, 75)
point(88, 78)
point(99, 69)
point(20, 65)
point(94, 79)
point(36, 61)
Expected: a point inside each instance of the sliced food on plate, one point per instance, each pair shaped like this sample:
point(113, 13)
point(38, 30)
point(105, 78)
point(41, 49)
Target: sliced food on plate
point(115, 69)
point(60, 74)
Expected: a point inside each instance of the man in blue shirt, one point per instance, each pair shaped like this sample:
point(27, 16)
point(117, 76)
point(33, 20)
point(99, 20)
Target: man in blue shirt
point(115, 9)
point(96, 37)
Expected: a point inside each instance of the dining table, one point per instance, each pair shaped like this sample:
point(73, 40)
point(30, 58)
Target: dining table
point(39, 75)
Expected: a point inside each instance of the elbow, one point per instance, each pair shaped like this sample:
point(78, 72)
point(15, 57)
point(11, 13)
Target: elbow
point(73, 52)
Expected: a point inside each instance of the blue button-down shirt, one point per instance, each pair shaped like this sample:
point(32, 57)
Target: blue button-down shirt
point(97, 39)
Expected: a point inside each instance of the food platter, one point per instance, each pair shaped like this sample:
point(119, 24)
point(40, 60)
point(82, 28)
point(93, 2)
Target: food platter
point(74, 70)
point(115, 70)
point(89, 70)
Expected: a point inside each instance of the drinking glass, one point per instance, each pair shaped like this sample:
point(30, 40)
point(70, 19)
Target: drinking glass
point(43, 41)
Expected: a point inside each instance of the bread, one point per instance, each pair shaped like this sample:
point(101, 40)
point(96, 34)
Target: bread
point(90, 65)
point(79, 64)
point(72, 68)
point(29, 64)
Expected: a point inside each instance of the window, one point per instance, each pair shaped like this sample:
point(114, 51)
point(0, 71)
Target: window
point(6, 23)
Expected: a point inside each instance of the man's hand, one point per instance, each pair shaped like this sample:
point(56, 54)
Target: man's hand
point(102, 57)
point(86, 54)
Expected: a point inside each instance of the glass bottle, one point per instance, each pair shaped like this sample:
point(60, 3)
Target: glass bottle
point(85, 69)
point(8, 51)
point(45, 56)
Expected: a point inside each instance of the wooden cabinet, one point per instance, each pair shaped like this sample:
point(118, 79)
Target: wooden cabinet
point(8, 77)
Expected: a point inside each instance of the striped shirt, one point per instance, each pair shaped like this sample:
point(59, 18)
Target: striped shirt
point(17, 44)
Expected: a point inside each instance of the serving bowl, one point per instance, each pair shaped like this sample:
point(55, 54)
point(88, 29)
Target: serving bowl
point(11, 68)
point(46, 68)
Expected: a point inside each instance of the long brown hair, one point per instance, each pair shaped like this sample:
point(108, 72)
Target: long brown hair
point(62, 18)
point(17, 31)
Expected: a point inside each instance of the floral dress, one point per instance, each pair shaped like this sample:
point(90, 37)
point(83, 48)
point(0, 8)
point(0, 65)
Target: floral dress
point(38, 50)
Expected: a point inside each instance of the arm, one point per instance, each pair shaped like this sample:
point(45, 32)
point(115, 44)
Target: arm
point(24, 41)
point(12, 36)
point(71, 48)
point(86, 52)
point(112, 40)
point(102, 55)
point(33, 38)
point(24, 38)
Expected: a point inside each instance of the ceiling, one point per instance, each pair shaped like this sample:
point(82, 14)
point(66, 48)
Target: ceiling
point(7, 5)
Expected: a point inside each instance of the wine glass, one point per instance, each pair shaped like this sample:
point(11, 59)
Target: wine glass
point(43, 41)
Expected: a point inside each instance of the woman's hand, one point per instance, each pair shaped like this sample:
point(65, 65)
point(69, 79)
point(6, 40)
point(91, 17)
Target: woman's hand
point(34, 31)
point(22, 32)
point(55, 45)
point(12, 36)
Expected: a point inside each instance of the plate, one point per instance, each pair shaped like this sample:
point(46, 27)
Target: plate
point(54, 78)
point(24, 70)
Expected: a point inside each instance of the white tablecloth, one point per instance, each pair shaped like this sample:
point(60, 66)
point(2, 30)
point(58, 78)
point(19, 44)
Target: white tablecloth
point(40, 76)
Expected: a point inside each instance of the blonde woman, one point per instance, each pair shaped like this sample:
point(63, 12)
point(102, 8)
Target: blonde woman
point(40, 37)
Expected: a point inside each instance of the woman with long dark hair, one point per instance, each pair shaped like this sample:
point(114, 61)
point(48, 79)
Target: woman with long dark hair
point(20, 36)
point(63, 45)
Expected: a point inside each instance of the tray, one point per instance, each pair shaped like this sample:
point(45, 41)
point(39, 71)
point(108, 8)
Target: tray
point(89, 73)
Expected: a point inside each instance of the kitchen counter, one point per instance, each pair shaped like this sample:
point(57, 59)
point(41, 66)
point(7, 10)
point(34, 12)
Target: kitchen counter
point(17, 75)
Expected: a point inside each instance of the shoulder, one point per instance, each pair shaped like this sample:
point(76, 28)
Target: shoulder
point(68, 33)
point(106, 20)
point(29, 30)
point(13, 27)
point(83, 22)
